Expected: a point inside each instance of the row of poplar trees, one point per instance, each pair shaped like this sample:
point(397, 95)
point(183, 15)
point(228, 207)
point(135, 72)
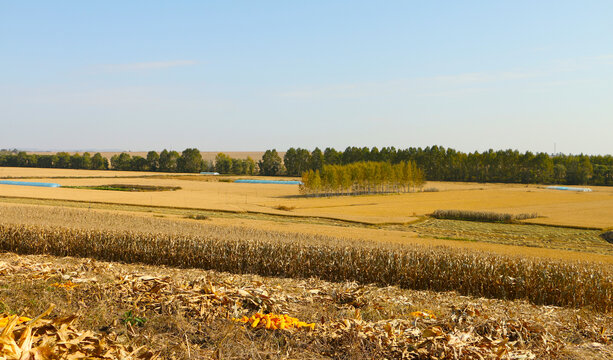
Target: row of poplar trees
point(446, 164)
point(362, 178)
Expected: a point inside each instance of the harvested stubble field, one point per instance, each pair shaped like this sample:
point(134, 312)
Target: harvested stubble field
point(167, 313)
point(593, 209)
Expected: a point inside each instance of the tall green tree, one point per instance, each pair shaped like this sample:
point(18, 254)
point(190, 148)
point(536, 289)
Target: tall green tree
point(271, 164)
point(139, 163)
point(76, 161)
point(86, 161)
point(46, 161)
point(303, 158)
point(296, 161)
point(63, 160)
point(99, 162)
point(153, 161)
point(223, 163)
point(289, 160)
point(168, 160)
point(317, 159)
point(251, 166)
point(332, 157)
point(122, 162)
point(190, 161)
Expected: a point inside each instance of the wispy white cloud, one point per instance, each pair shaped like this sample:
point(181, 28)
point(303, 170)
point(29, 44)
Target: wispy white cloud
point(70, 96)
point(439, 86)
point(451, 85)
point(140, 66)
point(464, 91)
point(582, 63)
point(349, 90)
point(603, 59)
point(485, 77)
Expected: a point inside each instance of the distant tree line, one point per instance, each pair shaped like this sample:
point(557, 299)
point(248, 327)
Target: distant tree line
point(189, 161)
point(440, 164)
point(227, 165)
point(61, 160)
point(9, 151)
point(362, 178)
point(437, 163)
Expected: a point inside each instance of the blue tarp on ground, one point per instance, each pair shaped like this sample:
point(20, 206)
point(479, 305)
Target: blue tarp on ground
point(284, 182)
point(569, 188)
point(26, 183)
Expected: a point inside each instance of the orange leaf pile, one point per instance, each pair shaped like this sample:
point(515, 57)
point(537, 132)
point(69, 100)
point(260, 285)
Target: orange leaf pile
point(423, 314)
point(274, 322)
point(69, 285)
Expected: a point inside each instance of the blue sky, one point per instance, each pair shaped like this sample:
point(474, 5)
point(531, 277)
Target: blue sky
point(253, 75)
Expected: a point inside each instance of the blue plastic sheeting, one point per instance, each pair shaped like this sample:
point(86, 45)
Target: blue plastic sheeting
point(25, 183)
point(569, 188)
point(284, 182)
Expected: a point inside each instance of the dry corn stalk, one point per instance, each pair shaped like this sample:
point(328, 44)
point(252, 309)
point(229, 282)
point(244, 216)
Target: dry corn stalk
point(42, 339)
point(541, 281)
point(21, 349)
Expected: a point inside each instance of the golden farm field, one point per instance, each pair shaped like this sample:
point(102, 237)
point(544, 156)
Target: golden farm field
point(554, 207)
point(24, 172)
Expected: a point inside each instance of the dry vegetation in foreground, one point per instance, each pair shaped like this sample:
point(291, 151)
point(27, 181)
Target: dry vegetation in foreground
point(186, 314)
point(243, 250)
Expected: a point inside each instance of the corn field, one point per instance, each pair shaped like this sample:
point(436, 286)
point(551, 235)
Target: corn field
point(362, 178)
point(268, 253)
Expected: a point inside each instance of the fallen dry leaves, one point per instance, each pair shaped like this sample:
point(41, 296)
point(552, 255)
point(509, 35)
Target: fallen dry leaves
point(465, 328)
point(43, 339)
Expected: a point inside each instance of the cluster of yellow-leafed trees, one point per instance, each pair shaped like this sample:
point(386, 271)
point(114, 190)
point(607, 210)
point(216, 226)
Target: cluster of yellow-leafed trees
point(363, 178)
